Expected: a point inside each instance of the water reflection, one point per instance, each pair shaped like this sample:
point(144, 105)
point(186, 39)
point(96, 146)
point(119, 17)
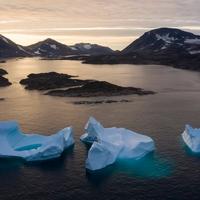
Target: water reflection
point(14, 164)
point(10, 164)
point(188, 151)
point(151, 166)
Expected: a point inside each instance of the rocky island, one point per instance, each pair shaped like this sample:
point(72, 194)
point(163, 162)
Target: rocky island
point(76, 87)
point(3, 81)
point(98, 88)
point(50, 80)
point(3, 72)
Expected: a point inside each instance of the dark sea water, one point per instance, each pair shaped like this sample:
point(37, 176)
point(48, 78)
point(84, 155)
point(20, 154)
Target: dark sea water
point(171, 172)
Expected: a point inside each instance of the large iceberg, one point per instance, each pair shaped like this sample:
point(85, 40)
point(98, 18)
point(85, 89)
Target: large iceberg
point(32, 147)
point(191, 137)
point(110, 144)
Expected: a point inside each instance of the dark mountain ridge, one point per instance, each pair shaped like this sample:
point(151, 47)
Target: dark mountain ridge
point(165, 46)
point(10, 49)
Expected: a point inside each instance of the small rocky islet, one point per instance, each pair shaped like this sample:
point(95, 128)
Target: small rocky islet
point(4, 81)
point(3, 72)
point(109, 101)
point(76, 87)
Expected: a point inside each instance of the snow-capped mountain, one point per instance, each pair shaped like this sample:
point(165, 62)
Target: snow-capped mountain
point(165, 46)
point(164, 41)
point(91, 49)
point(50, 48)
point(11, 49)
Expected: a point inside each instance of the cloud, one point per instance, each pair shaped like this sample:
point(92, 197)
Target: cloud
point(9, 21)
point(96, 17)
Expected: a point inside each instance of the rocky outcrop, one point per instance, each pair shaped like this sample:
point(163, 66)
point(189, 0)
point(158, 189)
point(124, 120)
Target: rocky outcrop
point(3, 72)
point(50, 80)
point(109, 101)
point(98, 88)
point(4, 81)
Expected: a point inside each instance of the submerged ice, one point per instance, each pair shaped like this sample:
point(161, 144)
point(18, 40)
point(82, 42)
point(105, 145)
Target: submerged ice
point(110, 144)
point(191, 137)
point(32, 147)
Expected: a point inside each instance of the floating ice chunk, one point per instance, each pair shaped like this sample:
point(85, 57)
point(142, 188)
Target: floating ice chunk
point(32, 147)
point(110, 144)
point(191, 137)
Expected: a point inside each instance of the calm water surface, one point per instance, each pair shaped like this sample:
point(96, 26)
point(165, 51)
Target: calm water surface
point(170, 173)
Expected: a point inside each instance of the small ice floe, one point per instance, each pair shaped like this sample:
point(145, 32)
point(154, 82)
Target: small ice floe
point(32, 147)
point(110, 144)
point(191, 137)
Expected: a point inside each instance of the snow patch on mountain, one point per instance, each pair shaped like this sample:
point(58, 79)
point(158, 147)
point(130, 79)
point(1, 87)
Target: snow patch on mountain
point(53, 46)
point(193, 41)
point(87, 46)
point(166, 38)
point(4, 39)
point(74, 48)
point(194, 52)
point(22, 49)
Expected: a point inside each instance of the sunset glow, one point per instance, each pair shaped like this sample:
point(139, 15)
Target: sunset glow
point(116, 24)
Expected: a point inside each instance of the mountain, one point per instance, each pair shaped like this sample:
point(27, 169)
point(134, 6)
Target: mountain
point(166, 46)
point(91, 49)
point(10, 49)
point(53, 49)
point(50, 48)
point(165, 40)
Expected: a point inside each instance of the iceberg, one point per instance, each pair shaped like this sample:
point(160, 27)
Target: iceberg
point(32, 147)
point(110, 144)
point(191, 137)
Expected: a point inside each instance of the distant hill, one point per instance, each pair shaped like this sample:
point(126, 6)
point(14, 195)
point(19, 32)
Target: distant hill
point(53, 49)
point(50, 48)
point(91, 49)
point(11, 49)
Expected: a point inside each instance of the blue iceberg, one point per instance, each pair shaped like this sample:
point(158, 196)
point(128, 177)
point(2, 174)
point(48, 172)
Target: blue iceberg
point(32, 147)
point(110, 144)
point(191, 137)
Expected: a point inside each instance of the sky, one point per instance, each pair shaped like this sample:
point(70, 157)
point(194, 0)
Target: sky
point(114, 23)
